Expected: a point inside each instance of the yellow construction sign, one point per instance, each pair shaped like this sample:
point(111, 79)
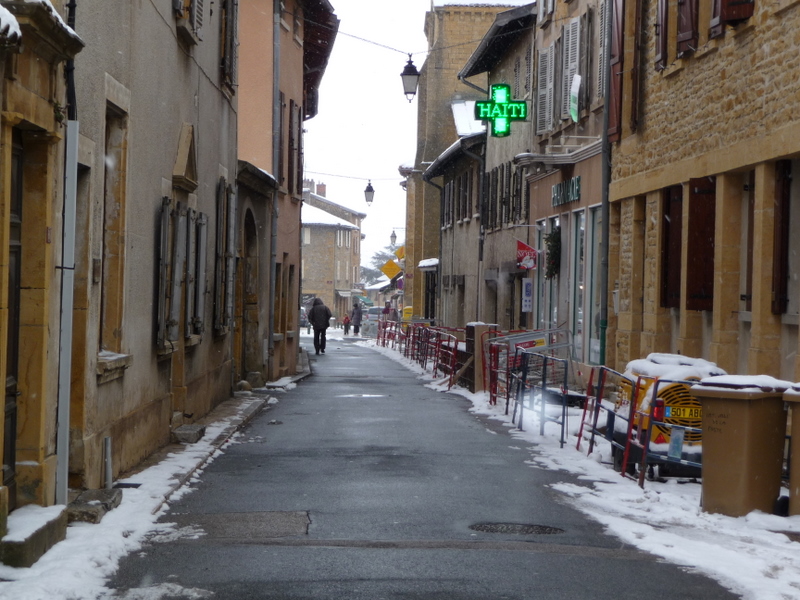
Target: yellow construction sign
point(400, 253)
point(390, 269)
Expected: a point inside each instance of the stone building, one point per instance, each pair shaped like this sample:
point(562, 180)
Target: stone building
point(564, 171)
point(453, 31)
point(36, 45)
point(705, 193)
point(285, 48)
point(331, 239)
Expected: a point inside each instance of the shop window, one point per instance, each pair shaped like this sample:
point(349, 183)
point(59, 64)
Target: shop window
point(672, 230)
point(700, 243)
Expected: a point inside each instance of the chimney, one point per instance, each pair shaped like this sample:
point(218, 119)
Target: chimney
point(321, 189)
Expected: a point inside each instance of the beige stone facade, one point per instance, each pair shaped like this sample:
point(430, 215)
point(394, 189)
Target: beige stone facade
point(704, 205)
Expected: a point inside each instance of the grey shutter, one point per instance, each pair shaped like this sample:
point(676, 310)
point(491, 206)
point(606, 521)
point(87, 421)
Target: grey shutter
point(197, 18)
point(191, 271)
point(219, 272)
point(200, 286)
point(163, 268)
point(178, 269)
point(544, 90)
point(230, 268)
point(602, 62)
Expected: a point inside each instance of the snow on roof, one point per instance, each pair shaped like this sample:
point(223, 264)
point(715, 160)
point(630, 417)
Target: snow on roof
point(311, 215)
point(428, 262)
point(9, 26)
point(464, 117)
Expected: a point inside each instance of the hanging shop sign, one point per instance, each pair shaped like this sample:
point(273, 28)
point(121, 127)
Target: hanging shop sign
point(526, 256)
point(567, 191)
point(501, 110)
point(527, 295)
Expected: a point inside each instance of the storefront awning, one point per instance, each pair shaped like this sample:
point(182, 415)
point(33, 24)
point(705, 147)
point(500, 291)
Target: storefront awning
point(344, 293)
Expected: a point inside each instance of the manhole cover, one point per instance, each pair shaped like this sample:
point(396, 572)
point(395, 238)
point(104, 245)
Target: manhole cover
point(515, 528)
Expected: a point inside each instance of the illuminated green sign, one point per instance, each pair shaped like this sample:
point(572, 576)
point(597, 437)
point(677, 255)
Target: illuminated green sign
point(501, 110)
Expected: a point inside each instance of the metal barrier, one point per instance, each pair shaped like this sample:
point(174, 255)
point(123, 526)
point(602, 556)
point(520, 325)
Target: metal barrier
point(613, 389)
point(543, 379)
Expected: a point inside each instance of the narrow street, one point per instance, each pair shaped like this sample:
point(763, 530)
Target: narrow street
point(361, 483)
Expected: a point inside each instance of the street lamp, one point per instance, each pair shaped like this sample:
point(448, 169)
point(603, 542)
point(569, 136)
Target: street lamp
point(369, 193)
point(393, 238)
point(410, 77)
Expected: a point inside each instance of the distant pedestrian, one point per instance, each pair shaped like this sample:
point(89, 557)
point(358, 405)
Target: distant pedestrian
point(346, 323)
point(320, 319)
point(355, 318)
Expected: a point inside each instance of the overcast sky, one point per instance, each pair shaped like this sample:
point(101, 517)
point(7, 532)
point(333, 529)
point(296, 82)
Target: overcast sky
point(366, 128)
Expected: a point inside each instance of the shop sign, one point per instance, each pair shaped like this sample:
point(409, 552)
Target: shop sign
point(501, 110)
point(527, 295)
point(567, 191)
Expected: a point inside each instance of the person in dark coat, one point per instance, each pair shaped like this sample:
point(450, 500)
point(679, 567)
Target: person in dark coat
point(355, 318)
point(320, 318)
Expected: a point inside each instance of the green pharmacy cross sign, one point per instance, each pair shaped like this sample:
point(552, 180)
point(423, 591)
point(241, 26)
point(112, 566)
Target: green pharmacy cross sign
point(501, 110)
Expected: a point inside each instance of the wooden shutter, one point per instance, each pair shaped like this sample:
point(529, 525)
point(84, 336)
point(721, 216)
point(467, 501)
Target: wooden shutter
point(571, 59)
point(544, 90)
point(163, 270)
point(700, 244)
point(615, 72)
point(197, 18)
point(687, 26)
point(299, 138)
point(751, 216)
point(200, 287)
point(661, 35)
point(191, 272)
point(602, 33)
point(292, 149)
point(178, 270)
point(780, 259)
point(230, 267)
point(672, 230)
point(733, 11)
point(219, 271)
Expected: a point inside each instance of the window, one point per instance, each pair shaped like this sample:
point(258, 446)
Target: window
point(615, 64)
point(546, 8)
point(602, 35)
point(662, 32)
point(672, 227)
point(544, 90)
point(687, 26)
point(735, 11)
point(225, 256)
point(306, 236)
point(528, 69)
point(781, 239)
point(189, 14)
point(700, 243)
point(114, 210)
point(571, 37)
point(230, 41)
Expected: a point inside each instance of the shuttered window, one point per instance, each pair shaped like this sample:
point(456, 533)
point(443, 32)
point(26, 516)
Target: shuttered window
point(544, 90)
point(602, 34)
point(661, 35)
point(672, 230)
point(700, 244)
point(225, 257)
point(615, 64)
point(230, 41)
point(687, 26)
point(782, 217)
point(735, 11)
point(571, 37)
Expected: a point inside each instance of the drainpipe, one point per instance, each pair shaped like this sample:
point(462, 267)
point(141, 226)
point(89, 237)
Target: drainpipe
point(473, 86)
point(605, 209)
point(67, 269)
point(276, 149)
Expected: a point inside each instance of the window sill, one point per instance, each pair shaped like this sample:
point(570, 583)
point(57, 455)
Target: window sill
point(744, 28)
point(745, 316)
point(290, 335)
point(673, 69)
point(710, 47)
point(277, 337)
point(111, 366)
point(790, 319)
point(780, 6)
point(185, 32)
point(285, 25)
point(192, 340)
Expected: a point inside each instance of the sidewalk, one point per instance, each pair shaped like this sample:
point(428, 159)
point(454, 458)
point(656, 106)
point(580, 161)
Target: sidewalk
point(77, 567)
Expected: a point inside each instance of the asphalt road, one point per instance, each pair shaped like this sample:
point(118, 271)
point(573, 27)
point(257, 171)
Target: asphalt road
point(361, 483)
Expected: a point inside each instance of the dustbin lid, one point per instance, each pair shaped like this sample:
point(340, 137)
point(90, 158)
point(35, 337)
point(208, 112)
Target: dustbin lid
point(740, 386)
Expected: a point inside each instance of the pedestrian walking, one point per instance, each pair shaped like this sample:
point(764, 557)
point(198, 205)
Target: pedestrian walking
point(320, 319)
point(355, 318)
point(346, 323)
